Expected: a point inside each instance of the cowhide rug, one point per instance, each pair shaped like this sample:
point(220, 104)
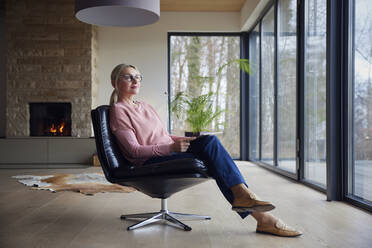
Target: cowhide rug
point(86, 183)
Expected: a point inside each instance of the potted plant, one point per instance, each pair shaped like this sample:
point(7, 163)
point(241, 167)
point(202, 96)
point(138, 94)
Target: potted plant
point(199, 109)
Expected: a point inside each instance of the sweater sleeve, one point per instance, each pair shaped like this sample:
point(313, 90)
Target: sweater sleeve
point(174, 137)
point(124, 132)
point(130, 143)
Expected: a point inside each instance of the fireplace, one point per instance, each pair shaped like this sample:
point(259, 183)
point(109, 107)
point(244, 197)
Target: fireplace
point(50, 119)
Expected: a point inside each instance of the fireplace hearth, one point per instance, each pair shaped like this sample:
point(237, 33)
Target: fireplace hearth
point(50, 119)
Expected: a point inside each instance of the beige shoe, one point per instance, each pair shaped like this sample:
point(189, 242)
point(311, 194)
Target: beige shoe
point(279, 229)
point(253, 205)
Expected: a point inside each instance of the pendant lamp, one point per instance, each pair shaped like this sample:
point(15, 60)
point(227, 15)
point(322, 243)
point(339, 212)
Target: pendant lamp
point(118, 12)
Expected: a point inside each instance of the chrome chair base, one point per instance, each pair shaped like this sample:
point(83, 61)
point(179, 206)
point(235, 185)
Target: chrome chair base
point(163, 214)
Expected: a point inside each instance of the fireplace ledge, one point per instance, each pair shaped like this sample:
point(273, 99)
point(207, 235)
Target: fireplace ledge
point(46, 152)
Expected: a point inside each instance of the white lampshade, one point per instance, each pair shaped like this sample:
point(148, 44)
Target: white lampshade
point(117, 12)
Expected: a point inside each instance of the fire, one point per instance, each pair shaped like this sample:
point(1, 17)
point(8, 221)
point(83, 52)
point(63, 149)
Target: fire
point(57, 129)
point(61, 127)
point(53, 129)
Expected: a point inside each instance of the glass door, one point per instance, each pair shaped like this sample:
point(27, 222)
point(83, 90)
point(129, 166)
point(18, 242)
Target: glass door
point(315, 92)
point(360, 113)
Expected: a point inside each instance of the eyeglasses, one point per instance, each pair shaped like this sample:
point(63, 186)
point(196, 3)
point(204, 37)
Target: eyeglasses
point(129, 77)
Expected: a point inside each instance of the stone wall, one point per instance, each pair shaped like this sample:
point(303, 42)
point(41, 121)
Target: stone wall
point(49, 59)
point(2, 70)
point(94, 66)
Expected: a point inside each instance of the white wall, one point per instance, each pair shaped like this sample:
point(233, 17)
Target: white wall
point(246, 11)
point(146, 47)
point(250, 12)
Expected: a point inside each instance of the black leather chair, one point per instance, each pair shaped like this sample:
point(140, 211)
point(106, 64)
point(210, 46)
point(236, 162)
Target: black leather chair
point(159, 180)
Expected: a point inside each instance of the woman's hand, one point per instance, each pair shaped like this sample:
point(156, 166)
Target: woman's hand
point(181, 144)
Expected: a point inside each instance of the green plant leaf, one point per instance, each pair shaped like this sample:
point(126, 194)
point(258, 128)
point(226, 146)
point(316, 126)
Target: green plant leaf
point(243, 64)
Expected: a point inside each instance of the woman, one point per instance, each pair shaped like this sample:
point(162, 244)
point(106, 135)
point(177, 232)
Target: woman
point(143, 140)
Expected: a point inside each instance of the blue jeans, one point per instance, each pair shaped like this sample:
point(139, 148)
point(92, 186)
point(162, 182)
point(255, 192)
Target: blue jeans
point(220, 165)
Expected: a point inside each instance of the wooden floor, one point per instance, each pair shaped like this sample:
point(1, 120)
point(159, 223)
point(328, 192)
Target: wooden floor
point(32, 218)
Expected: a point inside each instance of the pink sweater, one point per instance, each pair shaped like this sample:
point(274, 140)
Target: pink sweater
point(140, 132)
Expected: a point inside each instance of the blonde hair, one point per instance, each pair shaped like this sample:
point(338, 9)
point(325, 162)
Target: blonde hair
point(115, 74)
